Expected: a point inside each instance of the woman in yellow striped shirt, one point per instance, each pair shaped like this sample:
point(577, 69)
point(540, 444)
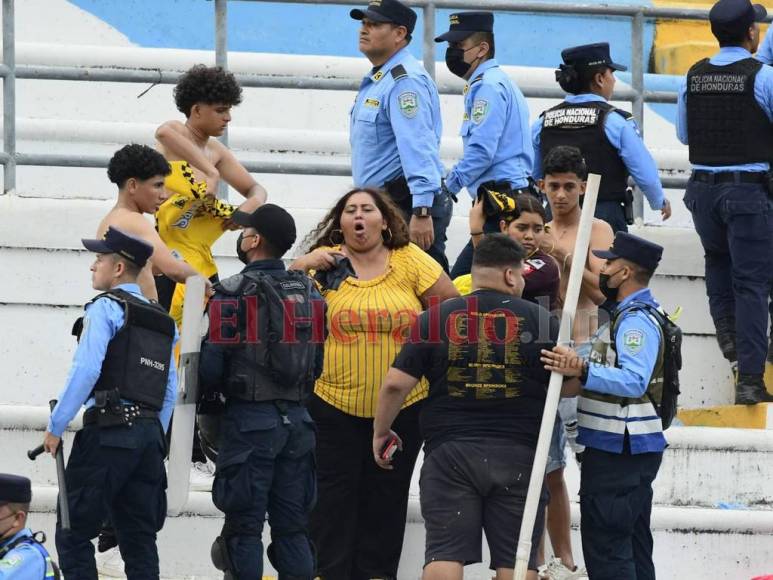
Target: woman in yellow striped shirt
point(359, 522)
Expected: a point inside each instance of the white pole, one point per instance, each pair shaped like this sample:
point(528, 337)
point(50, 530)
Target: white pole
point(579, 258)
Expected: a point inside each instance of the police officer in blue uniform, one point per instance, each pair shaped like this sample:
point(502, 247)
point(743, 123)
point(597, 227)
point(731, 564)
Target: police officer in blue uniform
point(498, 152)
point(265, 461)
point(725, 116)
point(617, 421)
point(22, 555)
point(607, 136)
point(124, 373)
point(395, 126)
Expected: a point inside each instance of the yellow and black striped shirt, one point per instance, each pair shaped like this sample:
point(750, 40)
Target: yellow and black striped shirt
point(367, 322)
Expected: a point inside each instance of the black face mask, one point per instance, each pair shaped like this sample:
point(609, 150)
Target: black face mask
point(609, 293)
point(455, 60)
point(239, 252)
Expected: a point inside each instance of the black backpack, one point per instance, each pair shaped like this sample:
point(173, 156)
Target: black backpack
point(664, 399)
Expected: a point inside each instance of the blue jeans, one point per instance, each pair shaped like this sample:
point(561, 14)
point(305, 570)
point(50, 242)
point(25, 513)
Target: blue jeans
point(735, 224)
point(266, 464)
point(613, 213)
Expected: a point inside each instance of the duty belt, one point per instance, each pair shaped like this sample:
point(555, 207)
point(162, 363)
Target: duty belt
point(128, 413)
point(729, 177)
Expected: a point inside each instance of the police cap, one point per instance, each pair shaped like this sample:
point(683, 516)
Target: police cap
point(14, 489)
point(463, 24)
point(387, 11)
point(272, 222)
point(733, 17)
point(634, 249)
point(587, 55)
point(117, 242)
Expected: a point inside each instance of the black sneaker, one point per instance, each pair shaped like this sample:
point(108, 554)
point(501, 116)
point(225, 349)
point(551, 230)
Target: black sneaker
point(750, 390)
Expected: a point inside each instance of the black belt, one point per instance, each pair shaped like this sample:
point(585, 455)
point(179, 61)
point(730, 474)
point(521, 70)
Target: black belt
point(729, 177)
point(131, 412)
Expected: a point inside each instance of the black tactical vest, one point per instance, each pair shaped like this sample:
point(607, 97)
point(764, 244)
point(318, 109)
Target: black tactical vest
point(275, 356)
point(725, 124)
point(137, 359)
point(581, 125)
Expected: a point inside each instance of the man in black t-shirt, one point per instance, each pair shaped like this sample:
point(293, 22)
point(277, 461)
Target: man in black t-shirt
point(481, 421)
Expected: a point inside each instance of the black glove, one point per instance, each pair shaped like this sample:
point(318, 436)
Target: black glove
point(333, 278)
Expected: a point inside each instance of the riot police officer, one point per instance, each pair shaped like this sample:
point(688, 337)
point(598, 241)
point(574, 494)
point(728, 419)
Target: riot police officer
point(498, 153)
point(617, 421)
point(263, 353)
point(395, 126)
point(124, 373)
point(725, 114)
point(607, 136)
point(22, 555)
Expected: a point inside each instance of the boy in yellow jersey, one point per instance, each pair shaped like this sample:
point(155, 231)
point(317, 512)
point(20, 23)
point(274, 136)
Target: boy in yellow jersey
point(192, 219)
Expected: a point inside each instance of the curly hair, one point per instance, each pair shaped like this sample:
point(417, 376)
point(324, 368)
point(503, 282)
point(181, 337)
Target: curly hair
point(322, 234)
point(565, 159)
point(206, 84)
point(138, 161)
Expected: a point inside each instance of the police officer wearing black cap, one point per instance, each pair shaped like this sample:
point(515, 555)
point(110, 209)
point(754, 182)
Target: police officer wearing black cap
point(725, 115)
point(124, 373)
point(263, 353)
point(498, 153)
point(395, 126)
point(607, 136)
point(617, 420)
point(22, 555)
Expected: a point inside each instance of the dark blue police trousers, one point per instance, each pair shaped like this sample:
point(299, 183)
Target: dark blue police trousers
point(266, 464)
point(615, 508)
point(735, 225)
point(116, 472)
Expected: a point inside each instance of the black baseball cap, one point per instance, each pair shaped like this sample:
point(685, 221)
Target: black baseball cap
point(463, 24)
point(733, 17)
point(272, 222)
point(14, 489)
point(587, 55)
point(634, 249)
point(387, 11)
point(117, 242)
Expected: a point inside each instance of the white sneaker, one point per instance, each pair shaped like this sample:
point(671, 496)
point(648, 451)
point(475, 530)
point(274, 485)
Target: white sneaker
point(202, 476)
point(110, 563)
point(555, 570)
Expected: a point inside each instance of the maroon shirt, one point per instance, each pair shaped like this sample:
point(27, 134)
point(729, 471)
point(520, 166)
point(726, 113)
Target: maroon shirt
point(540, 272)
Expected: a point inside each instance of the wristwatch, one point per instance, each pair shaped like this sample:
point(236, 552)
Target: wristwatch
point(422, 211)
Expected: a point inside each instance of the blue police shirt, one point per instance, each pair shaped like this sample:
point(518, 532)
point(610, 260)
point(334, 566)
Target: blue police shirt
point(765, 51)
point(495, 133)
point(763, 93)
point(624, 136)
point(24, 562)
point(103, 319)
point(395, 128)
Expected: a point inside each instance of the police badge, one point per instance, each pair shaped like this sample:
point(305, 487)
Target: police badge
point(479, 110)
point(409, 104)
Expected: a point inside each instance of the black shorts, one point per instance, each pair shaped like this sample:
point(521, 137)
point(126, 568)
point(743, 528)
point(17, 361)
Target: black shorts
point(469, 487)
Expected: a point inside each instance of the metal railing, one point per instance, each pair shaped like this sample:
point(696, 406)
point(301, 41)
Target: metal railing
point(9, 72)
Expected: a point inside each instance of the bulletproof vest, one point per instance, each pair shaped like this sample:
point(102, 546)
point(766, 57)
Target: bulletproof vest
point(725, 123)
point(275, 356)
point(581, 125)
point(138, 357)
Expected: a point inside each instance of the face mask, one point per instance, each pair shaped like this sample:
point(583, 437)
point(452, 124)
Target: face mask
point(609, 293)
point(239, 252)
point(455, 60)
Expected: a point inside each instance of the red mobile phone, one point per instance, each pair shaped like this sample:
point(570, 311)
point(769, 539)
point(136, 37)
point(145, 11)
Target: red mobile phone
point(390, 448)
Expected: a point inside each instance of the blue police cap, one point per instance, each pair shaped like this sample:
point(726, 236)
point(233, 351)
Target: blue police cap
point(14, 489)
point(387, 11)
point(587, 55)
point(735, 16)
point(463, 24)
point(117, 242)
point(634, 249)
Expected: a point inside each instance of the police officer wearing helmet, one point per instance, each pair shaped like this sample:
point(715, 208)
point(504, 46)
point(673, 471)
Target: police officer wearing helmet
point(495, 127)
point(263, 353)
point(617, 420)
point(395, 126)
point(608, 137)
point(725, 116)
point(124, 373)
point(22, 555)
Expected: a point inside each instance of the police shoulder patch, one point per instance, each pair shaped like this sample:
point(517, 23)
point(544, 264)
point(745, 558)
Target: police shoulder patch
point(479, 111)
point(633, 340)
point(409, 104)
